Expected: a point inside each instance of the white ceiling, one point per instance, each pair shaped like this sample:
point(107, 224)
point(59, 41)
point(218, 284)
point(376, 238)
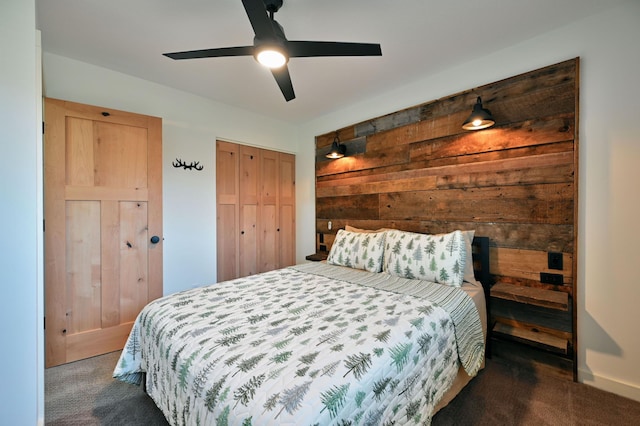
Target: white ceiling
point(418, 37)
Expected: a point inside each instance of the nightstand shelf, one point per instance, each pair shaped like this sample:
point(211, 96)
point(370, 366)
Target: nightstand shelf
point(533, 337)
point(531, 295)
point(317, 257)
point(537, 319)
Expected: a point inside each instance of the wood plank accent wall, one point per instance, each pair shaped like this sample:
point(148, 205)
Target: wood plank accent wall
point(418, 170)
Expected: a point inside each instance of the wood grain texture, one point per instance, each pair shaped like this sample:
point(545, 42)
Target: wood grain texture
point(255, 210)
point(515, 183)
point(103, 201)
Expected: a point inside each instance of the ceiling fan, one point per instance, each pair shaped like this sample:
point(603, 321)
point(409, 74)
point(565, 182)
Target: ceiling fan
point(272, 49)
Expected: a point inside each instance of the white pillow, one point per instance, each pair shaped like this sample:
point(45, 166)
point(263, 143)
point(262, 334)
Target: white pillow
point(358, 250)
point(437, 258)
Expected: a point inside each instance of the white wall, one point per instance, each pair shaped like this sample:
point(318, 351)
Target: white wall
point(609, 199)
point(21, 392)
point(190, 127)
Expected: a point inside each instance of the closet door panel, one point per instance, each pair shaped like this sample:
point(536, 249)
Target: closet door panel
point(255, 210)
point(269, 241)
point(287, 209)
point(227, 204)
point(249, 210)
point(228, 230)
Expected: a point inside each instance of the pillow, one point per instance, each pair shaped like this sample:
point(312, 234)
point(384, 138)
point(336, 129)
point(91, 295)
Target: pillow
point(438, 258)
point(469, 275)
point(358, 250)
point(354, 229)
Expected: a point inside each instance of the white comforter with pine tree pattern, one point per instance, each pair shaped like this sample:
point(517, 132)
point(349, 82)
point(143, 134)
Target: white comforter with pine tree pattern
point(313, 344)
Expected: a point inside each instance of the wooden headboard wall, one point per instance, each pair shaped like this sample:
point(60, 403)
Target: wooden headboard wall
point(516, 183)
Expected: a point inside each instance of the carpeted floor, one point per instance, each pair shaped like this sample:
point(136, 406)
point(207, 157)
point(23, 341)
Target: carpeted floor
point(83, 393)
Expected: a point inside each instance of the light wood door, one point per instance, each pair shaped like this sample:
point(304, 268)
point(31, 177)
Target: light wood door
point(228, 210)
point(103, 226)
point(286, 209)
point(249, 209)
point(255, 210)
point(269, 212)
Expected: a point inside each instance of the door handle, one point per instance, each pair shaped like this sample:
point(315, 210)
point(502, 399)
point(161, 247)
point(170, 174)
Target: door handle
point(155, 239)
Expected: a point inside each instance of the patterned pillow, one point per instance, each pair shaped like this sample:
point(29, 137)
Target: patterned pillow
point(358, 250)
point(437, 258)
point(469, 275)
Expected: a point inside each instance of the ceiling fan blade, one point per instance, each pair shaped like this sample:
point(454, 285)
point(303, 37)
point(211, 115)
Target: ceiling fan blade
point(212, 53)
point(260, 21)
point(284, 81)
point(306, 49)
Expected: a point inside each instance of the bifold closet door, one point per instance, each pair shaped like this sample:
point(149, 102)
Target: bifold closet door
point(287, 209)
point(228, 209)
point(249, 210)
point(255, 210)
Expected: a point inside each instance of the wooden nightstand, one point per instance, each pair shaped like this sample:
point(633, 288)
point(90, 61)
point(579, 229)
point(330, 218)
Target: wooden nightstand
point(538, 321)
point(317, 257)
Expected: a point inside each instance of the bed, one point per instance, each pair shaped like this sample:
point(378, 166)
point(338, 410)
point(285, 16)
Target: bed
point(363, 338)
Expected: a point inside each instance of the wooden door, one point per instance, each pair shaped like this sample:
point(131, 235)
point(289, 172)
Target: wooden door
point(103, 226)
point(269, 212)
point(255, 191)
point(227, 207)
point(249, 210)
point(287, 209)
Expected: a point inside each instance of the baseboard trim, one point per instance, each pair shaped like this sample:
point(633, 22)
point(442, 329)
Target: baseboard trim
point(627, 390)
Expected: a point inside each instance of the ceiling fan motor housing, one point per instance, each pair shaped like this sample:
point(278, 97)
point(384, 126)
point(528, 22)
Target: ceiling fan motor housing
point(273, 6)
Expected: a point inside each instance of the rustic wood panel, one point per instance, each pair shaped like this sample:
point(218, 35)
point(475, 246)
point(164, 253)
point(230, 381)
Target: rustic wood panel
point(543, 237)
point(548, 341)
point(532, 314)
point(527, 264)
point(546, 298)
point(362, 206)
point(515, 183)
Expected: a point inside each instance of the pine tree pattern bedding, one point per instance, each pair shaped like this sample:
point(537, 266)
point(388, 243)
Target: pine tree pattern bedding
point(313, 344)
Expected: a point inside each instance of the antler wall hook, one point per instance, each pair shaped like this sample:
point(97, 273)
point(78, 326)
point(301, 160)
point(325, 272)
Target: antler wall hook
point(193, 165)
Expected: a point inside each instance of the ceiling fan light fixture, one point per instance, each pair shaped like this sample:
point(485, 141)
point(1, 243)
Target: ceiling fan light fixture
point(271, 58)
point(271, 55)
point(480, 118)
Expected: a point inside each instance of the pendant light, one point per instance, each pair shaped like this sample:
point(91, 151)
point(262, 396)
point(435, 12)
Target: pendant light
point(480, 118)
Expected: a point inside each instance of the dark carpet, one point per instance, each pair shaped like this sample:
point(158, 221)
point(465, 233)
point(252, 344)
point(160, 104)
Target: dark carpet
point(83, 393)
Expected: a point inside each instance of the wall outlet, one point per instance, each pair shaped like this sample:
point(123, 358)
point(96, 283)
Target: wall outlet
point(329, 225)
point(557, 279)
point(554, 260)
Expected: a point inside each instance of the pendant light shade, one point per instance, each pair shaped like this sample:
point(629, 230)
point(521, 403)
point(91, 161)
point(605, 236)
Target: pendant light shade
point(480, 118)
point(337, 149)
